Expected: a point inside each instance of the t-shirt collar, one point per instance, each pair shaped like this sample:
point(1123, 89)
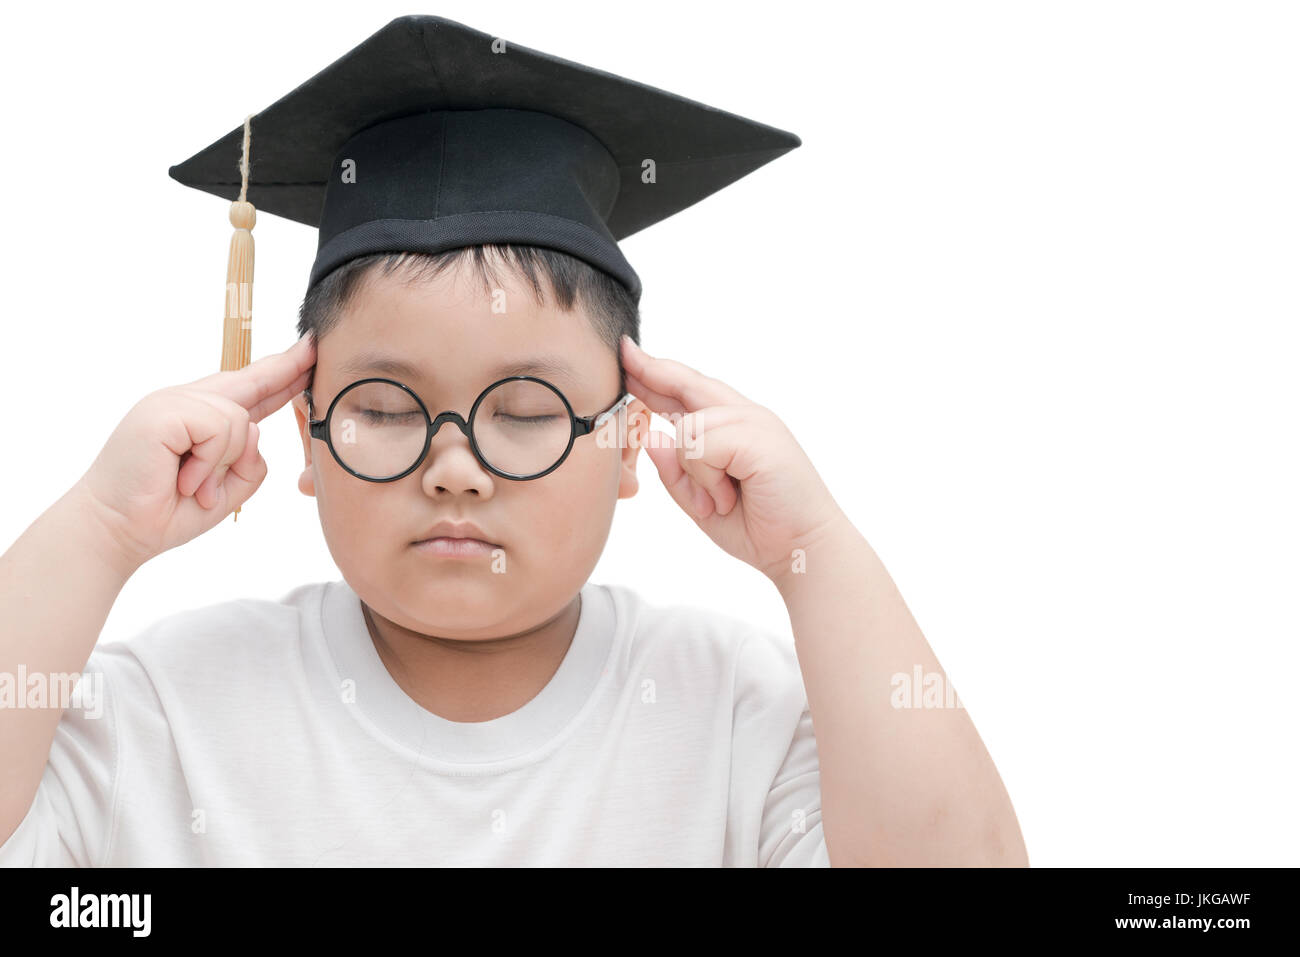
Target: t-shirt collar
point(386, 708)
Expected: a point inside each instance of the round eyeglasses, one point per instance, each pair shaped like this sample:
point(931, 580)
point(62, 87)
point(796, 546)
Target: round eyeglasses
point(519, 428)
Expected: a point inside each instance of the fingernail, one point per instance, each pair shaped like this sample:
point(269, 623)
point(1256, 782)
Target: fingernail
point(633, 345)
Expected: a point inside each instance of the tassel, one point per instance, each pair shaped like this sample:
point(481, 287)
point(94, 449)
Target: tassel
point(236, 346)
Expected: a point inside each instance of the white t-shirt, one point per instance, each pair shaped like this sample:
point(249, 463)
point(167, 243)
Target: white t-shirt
point(270, 733)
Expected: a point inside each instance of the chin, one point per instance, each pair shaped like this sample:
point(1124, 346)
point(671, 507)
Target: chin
point(454, 592)
point(466, 616)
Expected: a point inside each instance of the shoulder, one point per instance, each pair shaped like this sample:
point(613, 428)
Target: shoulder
point(226, 637)
point(759, 659)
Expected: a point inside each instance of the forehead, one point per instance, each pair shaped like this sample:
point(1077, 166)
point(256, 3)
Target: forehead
point(450, 327)
point(379, 360)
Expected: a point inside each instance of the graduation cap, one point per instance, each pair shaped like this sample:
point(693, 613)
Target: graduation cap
point(431, 135)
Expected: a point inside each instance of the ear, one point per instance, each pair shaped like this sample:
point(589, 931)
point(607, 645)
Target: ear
point(307, 479)
point(638, 424)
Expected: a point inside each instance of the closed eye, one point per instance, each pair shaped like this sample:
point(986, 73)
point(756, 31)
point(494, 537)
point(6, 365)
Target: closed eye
point(376, 416)
point(526, 419)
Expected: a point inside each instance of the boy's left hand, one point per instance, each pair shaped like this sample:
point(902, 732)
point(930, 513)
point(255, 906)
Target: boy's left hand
point(734, 468)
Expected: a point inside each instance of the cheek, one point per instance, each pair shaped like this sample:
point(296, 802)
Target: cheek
point(354, 514)
point(562, 505)
point(598, 471)
point(579, 509)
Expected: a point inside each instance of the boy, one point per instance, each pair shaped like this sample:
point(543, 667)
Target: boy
point(465, 695)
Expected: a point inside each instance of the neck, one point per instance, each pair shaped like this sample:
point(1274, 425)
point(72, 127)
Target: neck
point(472, 681)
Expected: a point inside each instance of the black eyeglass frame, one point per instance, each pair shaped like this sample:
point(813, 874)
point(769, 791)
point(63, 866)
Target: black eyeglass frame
point(578, 426)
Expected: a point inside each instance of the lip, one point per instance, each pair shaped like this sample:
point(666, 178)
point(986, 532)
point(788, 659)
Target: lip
point(461, 531)
point(454, 547)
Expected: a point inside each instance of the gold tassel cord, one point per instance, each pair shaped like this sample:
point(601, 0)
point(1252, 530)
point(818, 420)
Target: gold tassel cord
point(237, 336)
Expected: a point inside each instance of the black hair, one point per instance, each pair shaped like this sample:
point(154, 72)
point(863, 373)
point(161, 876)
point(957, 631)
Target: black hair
point(606, 301)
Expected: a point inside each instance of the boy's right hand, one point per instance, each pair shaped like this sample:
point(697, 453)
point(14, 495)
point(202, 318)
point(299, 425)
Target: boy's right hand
point(185, 457)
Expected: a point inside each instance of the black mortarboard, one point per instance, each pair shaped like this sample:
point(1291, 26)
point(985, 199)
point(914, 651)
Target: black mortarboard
point(457, 138)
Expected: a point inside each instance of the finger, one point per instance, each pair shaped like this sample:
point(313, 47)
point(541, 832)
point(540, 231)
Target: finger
point(661, 404)
point(698, 432)
point(247, 472)
point(273, 402)
point(662, 451)
point(265, 385)
point(708, 471)
point(672, 379)
point(681, 486)
point(218, 435)
point(699, 423)
point(206, 433)
point(673, 410)
point(725, 458)
point(240, 419)
point(206, 493)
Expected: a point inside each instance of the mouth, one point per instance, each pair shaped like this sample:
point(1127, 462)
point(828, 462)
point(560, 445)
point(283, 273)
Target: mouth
point(454, 547)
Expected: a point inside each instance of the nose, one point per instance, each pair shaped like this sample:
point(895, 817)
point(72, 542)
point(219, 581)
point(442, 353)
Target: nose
point(449, 471)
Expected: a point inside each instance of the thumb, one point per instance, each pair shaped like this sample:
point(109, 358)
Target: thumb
point(691, 498)
point(664, 457)
point(246, 473)
point(662, 450)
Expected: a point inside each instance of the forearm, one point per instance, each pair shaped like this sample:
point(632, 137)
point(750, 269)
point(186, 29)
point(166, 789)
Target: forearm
point(900, 786)
point(58, 582)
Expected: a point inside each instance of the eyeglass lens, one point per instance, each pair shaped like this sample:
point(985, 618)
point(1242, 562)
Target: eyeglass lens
point(378, 430)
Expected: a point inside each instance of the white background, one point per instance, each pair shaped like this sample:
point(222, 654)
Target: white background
point(1027, 295)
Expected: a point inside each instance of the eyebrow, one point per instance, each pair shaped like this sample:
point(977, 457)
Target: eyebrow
point(541, 365)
